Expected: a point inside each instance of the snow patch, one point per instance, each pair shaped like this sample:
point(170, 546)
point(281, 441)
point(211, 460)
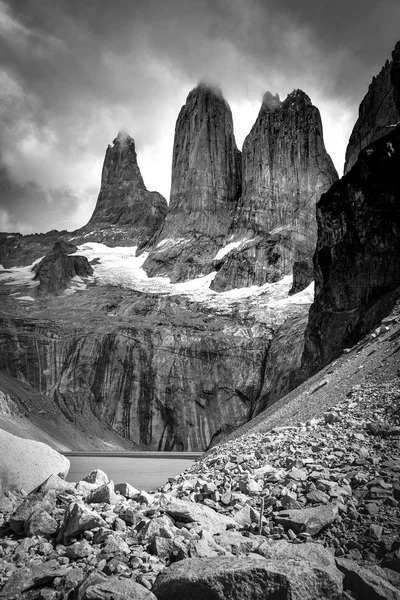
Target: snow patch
point(226, 249)
point(29, 298)
point(20, 275)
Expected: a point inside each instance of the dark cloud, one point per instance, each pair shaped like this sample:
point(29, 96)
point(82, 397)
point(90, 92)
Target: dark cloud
point(73, 73)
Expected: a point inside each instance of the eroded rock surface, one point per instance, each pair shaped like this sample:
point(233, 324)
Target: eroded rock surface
point(377, 116)
point(56, 270)
point(205, 188)
point(285, 170)
point(358, 249)
point(123, 199)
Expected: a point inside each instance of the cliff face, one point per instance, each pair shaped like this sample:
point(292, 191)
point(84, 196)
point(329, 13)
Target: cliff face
point(161, 372)
point(124, 199)
point(395, 75)
point(205, 187)
point(285, 170)
point(377, 115)
point(356, 262)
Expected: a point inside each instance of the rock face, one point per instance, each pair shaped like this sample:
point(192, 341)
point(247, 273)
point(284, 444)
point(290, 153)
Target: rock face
point(356, 261)
point(124, 199)
point(241, 578)
point(377, 116)
point(395, 75)
point(285, 170)
point(57, 268)
point(161, 372)
point(26, 463)
point(205, 188)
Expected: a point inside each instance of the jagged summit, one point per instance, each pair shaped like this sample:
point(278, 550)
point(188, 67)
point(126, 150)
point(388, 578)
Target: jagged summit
point(376, 116)
point(270, 102)
point(123, 199)
point(285, 169)
point(205, 187)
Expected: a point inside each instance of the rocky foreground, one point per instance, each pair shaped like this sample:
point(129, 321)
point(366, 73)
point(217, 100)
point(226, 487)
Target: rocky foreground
point(308, 511)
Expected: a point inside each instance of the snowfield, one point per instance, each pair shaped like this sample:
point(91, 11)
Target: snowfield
point(121, 267)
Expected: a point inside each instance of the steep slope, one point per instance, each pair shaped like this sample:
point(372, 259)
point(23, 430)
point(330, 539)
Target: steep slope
point(165, 368)
point(356, 261)
point(123, 199)
point(285, 170)
point(205, 187)
point(376, 116)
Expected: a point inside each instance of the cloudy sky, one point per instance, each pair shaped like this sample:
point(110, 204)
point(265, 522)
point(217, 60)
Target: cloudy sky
point(75, 72)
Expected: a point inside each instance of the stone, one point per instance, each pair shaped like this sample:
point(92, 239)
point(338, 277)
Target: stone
point(247, 516)
point(39, 523)
point(79, 550)
point(127, 490)
point(34, 503)
point(25, 464)
point(205, 187)
point(96, 477)
point(161, 527)
point(98, 586)
point(310, 520)
point(77, 519)
point(366, 583)
point(317, 497)
point(242, 578)
point(30, 578)
point(123, 200)
point(104, 493)
point(56, 270)
point(187, 512)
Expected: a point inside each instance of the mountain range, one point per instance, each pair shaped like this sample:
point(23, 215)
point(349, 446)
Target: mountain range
point(167, 326)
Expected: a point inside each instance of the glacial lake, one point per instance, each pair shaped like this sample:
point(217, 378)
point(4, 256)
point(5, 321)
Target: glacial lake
point(144, 470)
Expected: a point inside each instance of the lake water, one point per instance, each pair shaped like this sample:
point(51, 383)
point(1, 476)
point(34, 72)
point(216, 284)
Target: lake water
point(145, 471)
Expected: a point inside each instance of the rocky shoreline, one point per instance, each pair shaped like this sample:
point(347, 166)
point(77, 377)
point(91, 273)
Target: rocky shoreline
point(309, 511)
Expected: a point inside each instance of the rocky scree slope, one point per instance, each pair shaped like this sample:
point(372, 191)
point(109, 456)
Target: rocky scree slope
point(305, 510)
point(285, 169)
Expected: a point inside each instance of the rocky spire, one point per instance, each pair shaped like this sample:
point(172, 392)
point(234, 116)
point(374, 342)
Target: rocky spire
point(376, 116)
point(285, 170)
point(395, 75)
point(124, 199)
point(205, 187)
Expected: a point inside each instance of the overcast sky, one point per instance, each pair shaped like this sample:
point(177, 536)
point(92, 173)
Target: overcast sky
point(75, 72)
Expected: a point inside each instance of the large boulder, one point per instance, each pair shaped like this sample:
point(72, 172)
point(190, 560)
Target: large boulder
point(25, 464)
point(243, 578)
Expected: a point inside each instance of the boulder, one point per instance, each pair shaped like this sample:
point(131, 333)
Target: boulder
point(365, 583)
point(310, 520)
point(77, 519)
point(32, 577)
point(189, 512)
point(98, 586)
point(25, 464)
point(243, 578)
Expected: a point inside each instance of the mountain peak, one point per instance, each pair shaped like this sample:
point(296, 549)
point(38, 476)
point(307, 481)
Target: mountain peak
point(270, 102)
